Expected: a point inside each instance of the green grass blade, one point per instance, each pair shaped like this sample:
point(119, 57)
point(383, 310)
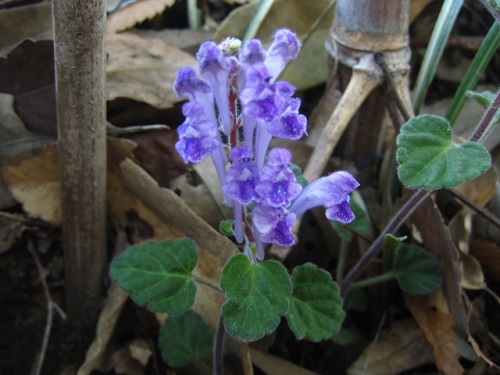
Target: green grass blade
point(440, 35)
point(481, 60)
point(257, 19)
point(194, 15)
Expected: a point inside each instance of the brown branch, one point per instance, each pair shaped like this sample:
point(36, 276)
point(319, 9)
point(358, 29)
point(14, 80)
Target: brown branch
point(79, 31)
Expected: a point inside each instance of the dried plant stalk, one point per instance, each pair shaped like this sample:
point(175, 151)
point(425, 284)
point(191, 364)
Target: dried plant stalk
point(79, 31)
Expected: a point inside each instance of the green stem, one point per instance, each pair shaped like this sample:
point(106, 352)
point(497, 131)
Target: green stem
point(401, 216)
point(372, 280)
point(220, 333)
point(194, 15)
point(485, 123)
point(207, 282)
point(341, 261)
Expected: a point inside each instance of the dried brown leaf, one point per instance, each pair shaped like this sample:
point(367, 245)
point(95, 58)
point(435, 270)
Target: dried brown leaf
point(29, 21)
point(35, 183)
point(200, 189)
point(433, 316)
point(143, 69)
point(274, 365)
point(488, 255)
point(157, 155)
point(105, 327)
point(473, 277)
point(401, 347)
point(140, 11)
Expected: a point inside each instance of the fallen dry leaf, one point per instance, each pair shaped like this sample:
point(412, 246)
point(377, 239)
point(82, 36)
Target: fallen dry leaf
point(156, 153)
point(28, 74)
point(28, 21)
point(105, 327)
point(433, 316)
point(143, 69)
point(400, 348)
point(34, 182)
point(135, 13)
point(488, 255)
point(201, 190)
point(273, 365)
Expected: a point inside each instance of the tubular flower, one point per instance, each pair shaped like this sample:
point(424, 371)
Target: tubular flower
point(233, 111)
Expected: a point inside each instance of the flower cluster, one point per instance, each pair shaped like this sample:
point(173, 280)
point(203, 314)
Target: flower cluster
point(232, 114)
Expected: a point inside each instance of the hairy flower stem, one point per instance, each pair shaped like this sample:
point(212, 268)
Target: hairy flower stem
point(401, 216)
point(217, 356)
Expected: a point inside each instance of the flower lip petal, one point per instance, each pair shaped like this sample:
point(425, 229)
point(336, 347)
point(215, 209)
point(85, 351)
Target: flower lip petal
point(187, 83)
point(331, 191)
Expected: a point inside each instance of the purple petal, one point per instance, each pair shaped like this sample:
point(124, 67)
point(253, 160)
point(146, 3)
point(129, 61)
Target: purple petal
point(285, 47)
point(341, 212)
point(241, 177)
point(216, 67)
point(274, 224)
point(332, 192)
point(278, 185)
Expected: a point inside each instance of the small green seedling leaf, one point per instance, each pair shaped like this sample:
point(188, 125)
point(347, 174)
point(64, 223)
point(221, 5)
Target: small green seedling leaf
point(429, 159)
point(184, 338)
point(315, 311)
point(158, 274)
point(257, 296)
point(416, 270)
point(389, 250)
point(226, 228)
point(485, 98)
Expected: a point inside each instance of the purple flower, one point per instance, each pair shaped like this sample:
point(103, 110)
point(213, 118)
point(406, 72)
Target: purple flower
point(240, 89)
point(278, 186)
point(274, 224)
point(285, 47)
point(241, 177)
point(291, 124)
point(198, 136)
point(216, 68)
point(332, 192)
point(187, 84)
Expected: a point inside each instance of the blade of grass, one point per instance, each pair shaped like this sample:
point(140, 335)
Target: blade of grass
point(481, 60)
point(440, 35)
point(194, 15)
point(257, 19)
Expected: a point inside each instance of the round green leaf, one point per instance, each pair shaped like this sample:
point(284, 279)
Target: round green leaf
point(158, 274)
point(429, 159)
point(315, 311)
point(416, 270)
point(257, 297)
point(184, 338)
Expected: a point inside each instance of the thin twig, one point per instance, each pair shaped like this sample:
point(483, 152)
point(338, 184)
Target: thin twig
point(51, 305)
point(360, 86)
point(401, 216)
point(393, 92)
point(218, 353)
point(483, 125)
point(481, 211)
